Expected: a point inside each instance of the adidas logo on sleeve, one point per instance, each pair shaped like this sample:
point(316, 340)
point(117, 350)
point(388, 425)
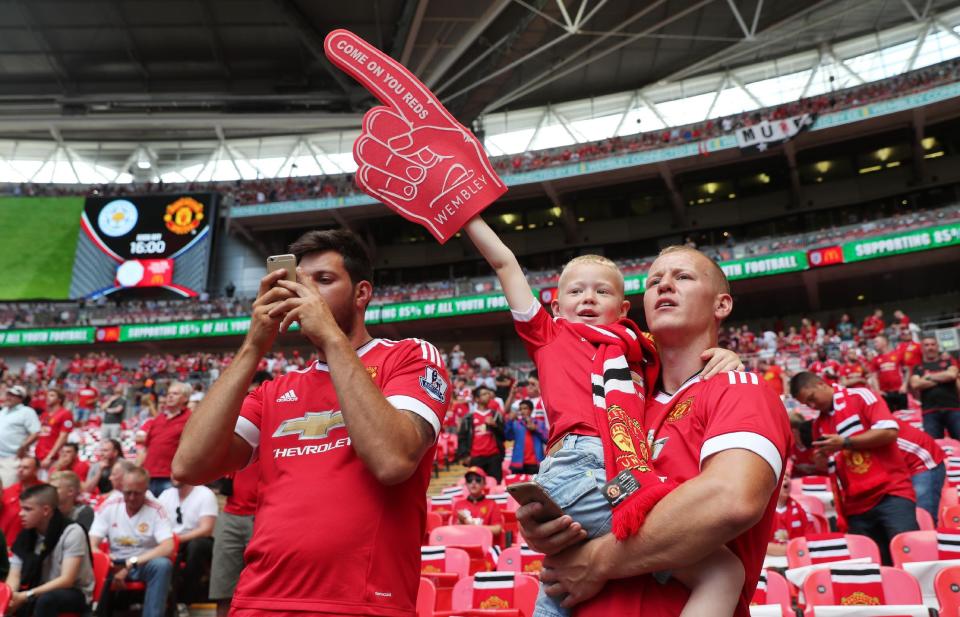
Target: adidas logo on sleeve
point(288, 397)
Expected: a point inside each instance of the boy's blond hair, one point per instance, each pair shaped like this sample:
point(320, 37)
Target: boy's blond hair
point(595, 259)
point(719, 275)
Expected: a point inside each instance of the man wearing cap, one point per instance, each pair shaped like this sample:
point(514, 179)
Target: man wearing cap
point(19, 427)
point(476, 508)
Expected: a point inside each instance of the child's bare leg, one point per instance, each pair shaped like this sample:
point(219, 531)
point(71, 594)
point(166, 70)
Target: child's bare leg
point(715, 584)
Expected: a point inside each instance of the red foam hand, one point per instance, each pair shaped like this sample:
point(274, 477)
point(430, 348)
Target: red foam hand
point(412, 154)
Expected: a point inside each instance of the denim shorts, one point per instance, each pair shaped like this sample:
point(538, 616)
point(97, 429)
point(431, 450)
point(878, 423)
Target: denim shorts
point(573, 478)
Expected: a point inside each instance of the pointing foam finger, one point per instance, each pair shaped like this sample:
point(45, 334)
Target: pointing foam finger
point(385, 78)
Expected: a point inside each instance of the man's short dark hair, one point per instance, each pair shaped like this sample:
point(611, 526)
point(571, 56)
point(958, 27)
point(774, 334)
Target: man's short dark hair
point(480, 389)
point(41, 493)
point(73, 446)
point(802, 380)
point(356, 261)
point(526, 402)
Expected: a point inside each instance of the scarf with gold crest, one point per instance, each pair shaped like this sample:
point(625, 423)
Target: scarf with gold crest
point(626, 358)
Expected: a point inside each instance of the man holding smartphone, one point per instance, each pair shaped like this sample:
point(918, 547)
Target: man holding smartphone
point(345, 446)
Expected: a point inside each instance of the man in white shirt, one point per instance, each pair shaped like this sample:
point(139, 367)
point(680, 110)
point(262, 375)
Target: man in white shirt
point(141, 542)
point(19, 427)
point(193, 510)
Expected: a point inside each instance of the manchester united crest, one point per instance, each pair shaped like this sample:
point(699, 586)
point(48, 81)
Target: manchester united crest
point(494, 602)
point(372, 371)
point(143, 528)
point(183, 216)
point(858, 461)
point(858, 598)
point(680, 411)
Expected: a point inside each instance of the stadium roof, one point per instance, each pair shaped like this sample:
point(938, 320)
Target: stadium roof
point(177, 69)
point(90, 89)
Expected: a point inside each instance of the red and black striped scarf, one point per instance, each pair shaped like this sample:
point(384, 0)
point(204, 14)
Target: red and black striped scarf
point(625, 358)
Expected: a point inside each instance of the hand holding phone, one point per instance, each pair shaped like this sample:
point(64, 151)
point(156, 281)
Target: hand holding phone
point(529, 492)
point(287, 262)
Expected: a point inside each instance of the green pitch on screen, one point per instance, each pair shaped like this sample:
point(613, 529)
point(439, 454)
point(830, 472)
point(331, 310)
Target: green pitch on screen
point(38, 239)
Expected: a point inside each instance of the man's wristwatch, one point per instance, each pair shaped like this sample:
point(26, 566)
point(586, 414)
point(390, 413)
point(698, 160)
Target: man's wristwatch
point(29, 594)
point(132, 562)
point(847, 443)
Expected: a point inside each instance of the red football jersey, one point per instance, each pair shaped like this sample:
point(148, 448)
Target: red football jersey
point(330, 538)
point(910, 353)
point(52, 423)
point(87, 397)
point(854, 371)
point(828, 371)
point(484, 443)
point(865, 476)
point(887, 368)
point(564, 364)
point(733, 410)
point(773, 377)
point(919, 450)
point(791, 522)
point(243, 501)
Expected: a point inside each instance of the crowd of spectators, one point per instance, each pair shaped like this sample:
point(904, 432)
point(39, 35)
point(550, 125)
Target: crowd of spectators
point(105, 311)
point(269, 190)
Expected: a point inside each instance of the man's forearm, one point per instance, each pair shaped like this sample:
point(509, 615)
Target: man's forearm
point(206, 439)
point(161, 551)
point(656, 547)
point(387, 441)
point(874, 438)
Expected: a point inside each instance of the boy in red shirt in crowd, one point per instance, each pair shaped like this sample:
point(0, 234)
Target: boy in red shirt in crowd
point(591, 292)
point(476, 508)
point(790, 520)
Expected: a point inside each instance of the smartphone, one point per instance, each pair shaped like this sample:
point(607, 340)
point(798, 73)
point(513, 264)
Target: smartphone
point(528, 492)
point(287, 261)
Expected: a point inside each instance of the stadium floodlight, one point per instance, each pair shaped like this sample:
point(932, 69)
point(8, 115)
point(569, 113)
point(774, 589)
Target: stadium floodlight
point(143, 159)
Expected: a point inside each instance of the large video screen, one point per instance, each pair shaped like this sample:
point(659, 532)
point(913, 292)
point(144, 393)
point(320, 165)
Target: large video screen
point(144, 243)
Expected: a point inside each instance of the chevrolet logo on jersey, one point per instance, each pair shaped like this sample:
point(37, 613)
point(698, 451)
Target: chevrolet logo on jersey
point(313, 425)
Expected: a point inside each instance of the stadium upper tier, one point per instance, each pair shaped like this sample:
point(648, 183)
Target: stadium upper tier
point(300, 182)
point(104, 313)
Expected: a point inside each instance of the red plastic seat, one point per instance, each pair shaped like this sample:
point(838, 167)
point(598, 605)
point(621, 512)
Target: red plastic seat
point(914, 546)
point(947, 586)
point(426, 598)
point(820, 523)
point(859, 546)
point(950, 518)
point(456, 565)
point(434, 520)
point(778, 592)
point(899, 587)
point(5, 594)
point(511, 560)
point(925, 520)
point(811, 504)
point(524, 599)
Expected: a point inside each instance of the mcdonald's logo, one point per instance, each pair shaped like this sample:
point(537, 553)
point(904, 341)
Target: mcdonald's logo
point(826, 256)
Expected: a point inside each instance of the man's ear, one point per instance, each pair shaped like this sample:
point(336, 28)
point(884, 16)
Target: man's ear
point(363, 293)
point(723, 306)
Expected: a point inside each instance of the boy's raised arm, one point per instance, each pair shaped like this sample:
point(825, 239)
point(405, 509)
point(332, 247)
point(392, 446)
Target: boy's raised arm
point(504, 263)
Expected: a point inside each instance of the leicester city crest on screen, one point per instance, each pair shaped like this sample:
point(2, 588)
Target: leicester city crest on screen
point(118, 218)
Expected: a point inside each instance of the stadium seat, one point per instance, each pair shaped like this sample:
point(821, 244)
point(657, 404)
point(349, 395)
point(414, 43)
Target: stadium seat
point(913, 546)
point(898, 588)
point(950, 446)
point(925, 520)
point(798, 554)
point(455, 565)
point(476, 541)
point(947, 586)
point(524, 599)
point(951, 517)
point(820, 523)
point(426, 598)
point(778, 592)
point(520, 559)
point(5, 595)
point(811, 504)
point(434, 520)
point(948, 497)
